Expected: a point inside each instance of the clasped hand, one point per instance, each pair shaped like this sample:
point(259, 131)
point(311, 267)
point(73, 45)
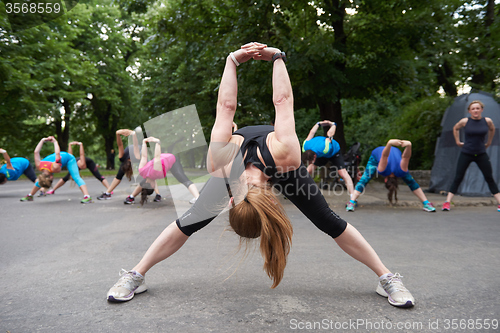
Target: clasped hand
point(256, 51)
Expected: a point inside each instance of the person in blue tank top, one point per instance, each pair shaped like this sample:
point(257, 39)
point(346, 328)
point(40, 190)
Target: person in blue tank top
point(476, 128)
point(318, 151)
point(54, 163)
point(14, 168)
point(389, 162)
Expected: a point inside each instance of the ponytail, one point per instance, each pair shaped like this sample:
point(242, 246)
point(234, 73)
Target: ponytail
point(127, 169)
point(145, 192)
point(391, 183)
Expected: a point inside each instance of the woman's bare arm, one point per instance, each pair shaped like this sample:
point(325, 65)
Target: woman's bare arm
point(491, 131)
point(456, 131)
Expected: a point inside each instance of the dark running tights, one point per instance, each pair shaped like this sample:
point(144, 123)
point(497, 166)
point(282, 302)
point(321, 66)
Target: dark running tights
point(297, 186)
point(30, 173)
point(484, 164)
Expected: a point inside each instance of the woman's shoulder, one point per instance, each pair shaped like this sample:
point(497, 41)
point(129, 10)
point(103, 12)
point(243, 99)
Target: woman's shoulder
point(285, 155)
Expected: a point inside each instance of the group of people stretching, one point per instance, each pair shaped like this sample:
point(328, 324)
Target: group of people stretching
point(247, 167)
point(149, 171)
point(390, 162)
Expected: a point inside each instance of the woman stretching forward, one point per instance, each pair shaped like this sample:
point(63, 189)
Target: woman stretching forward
point(125, 168)
point(152, 170)
point(388, 161)
point(14, 168)
point(54, 163)
point(83, 162)
point(265, 156)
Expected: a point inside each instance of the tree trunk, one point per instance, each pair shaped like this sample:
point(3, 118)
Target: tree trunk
point(482, 77)
point(203, 163)
point(67, 120)
point(108, 144)
point(107, 124)
point(443, 75)
point(333, 111)
point(191, 159)
point(331, 108)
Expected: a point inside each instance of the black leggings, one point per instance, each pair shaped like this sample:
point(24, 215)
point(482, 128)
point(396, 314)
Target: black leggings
point(30, 173)
point(92, 167)
point(179, 174)
point(295, 185)
point(484, 164)
point(120, 173)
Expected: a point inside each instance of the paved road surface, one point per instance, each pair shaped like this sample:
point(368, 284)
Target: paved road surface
point(58, 258)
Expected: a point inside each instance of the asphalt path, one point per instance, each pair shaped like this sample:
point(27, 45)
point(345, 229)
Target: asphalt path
point(58, 258)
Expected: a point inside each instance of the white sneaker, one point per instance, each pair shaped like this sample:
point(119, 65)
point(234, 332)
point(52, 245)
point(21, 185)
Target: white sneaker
point(192, 201)
point(392, 287)
point(128, 285)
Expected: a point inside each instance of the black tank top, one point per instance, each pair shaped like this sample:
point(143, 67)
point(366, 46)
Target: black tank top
point(255, 136)
point(126, 155)
point(475, 134)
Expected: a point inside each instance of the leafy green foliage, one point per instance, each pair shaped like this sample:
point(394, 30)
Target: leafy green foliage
point(373, 122)
point(375, 68)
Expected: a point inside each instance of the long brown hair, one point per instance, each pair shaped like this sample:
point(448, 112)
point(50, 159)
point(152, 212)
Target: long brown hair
point(145, 192)
point(127, 169)
point(391, 183)
point(261, 214)
point(308, 157)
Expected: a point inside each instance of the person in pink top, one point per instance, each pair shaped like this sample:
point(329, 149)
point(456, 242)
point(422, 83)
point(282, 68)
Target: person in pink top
point(154, 169)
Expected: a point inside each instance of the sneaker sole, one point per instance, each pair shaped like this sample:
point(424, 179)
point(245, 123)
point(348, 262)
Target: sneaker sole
point(99, 198)
point(127, 298)
point(380, 291)
point(429, 211)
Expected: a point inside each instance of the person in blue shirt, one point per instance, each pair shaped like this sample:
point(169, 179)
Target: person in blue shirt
point(388, 161)
point(317, 151)
point(83, 162)
point(54, 163)
point(14, 168)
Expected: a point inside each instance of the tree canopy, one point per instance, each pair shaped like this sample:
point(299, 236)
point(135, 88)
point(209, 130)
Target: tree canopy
point(379, 69)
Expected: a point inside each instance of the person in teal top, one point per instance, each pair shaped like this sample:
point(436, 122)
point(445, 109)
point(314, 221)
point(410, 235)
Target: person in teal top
point(14, 168)
point(317, 151)
point(54, 163)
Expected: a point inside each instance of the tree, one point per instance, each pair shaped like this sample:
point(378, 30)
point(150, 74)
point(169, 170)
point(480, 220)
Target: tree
point(42, 77)
point(111, 40)
point(332, 55)
point(480, 44)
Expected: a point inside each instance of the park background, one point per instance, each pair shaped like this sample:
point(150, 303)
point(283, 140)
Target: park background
point(379, 69)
